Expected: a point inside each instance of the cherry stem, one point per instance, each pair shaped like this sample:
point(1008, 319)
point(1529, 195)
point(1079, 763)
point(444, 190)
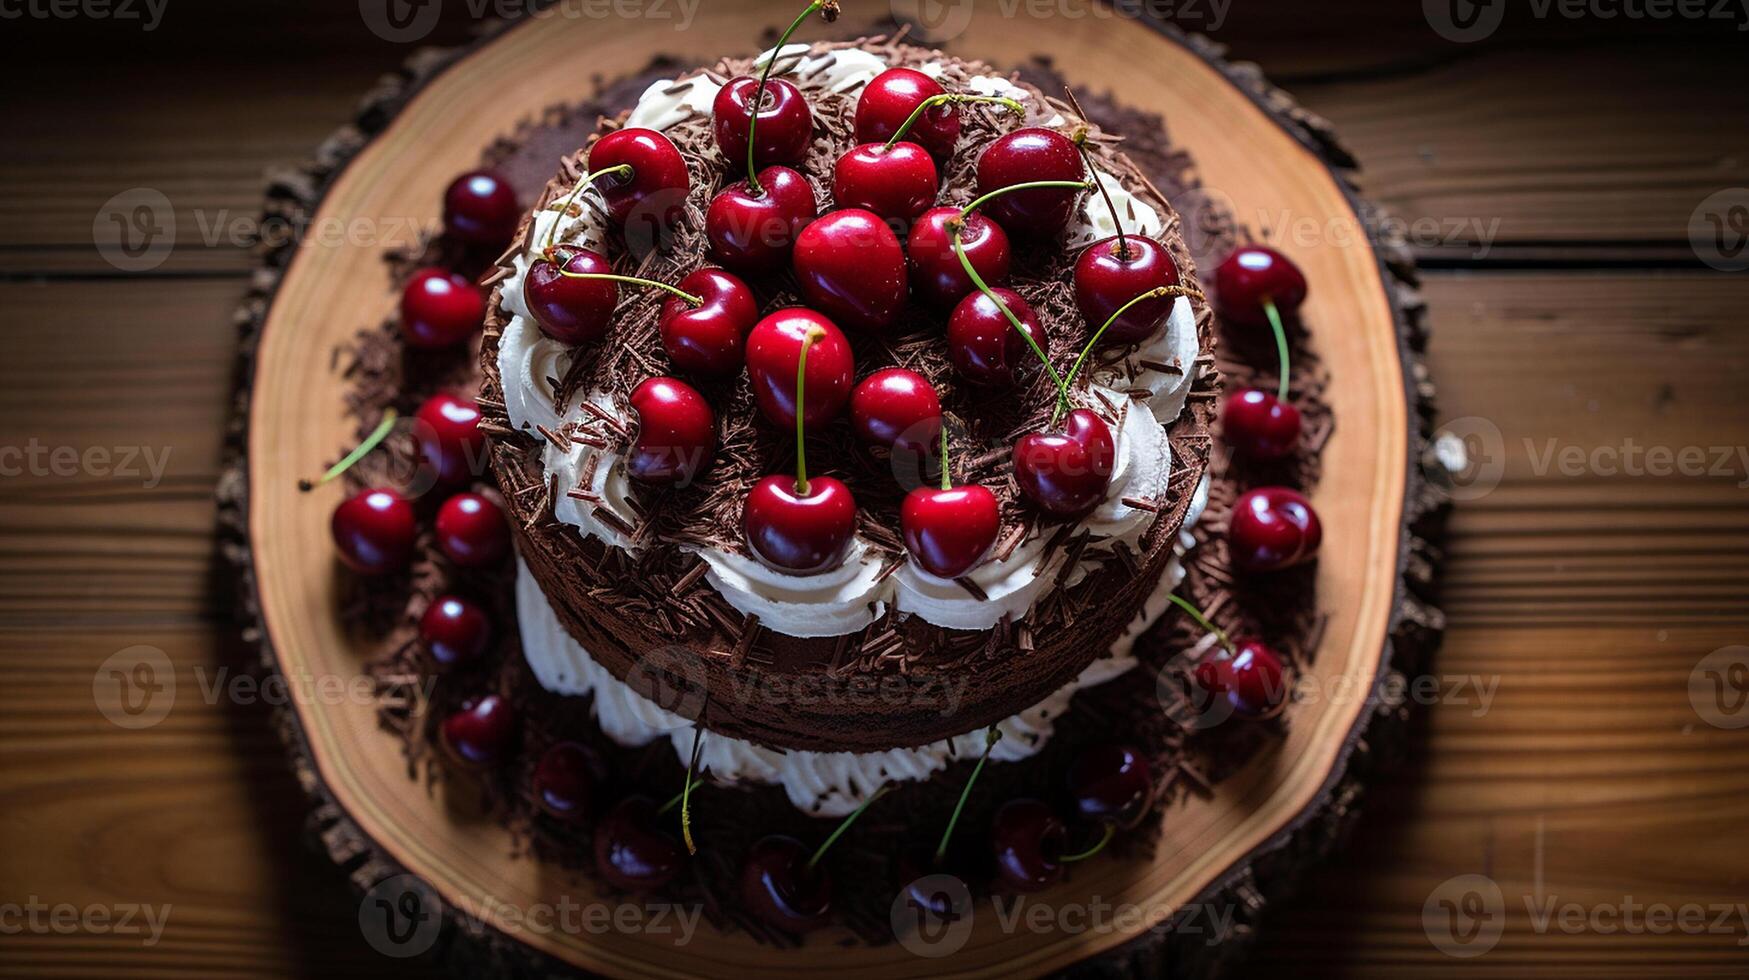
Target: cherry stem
point(377, 435)
point(686, 791)
point(634, 280)
point(831, 9)
point(675, 800)
point(959, 250)
point(1158, 292)
point(946, 476)
point(1080, 141)
point(991, 737)
point(1025, 186)
point(1274, 316)
point(1203, 621)
point(813, 335)
point(1110, 832)
point(623, 170)
point(844, 825)
point(949, 98)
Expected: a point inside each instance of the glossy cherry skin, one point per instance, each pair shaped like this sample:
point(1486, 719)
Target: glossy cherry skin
point(708, 339)
point(655, 193)
point(1026, 155)
point(948, 532)
point(564, 780)
point(937, 277)
point(455, 631)
point(1260, 425)
point(1252, 274)
point(440, 308)
point(898, 409)
point(480, 208)
point(1065, 473)
point(851, 268)
point(571, 311)
point(374, 532)
point(1111, 784)
point(897, 184)
point(984, 347)
point(1028, 840)
point(786, 124)
point(752, 234)
point(890, 98)
point(1107, 278)
point(631, 852)
point(677, 433)
point(472, 531)
point(450, 439)
point(1251, 678)
point(774, 347)
point(481, 733)
point(1272, 528)
point(780, 888)
point(796, 534)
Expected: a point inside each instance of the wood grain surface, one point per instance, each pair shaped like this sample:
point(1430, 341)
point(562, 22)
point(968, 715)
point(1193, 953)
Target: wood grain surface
point(1583, 597)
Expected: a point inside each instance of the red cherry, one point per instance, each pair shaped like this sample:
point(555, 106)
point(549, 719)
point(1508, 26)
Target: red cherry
point(571, 311)
point(440, 308)
point(563, 781)
point(1066, 473)
point(481, 733)
point(677, 433)
point(851, 268)
point(631, 852)
point(889, 99)
point(1272, 528)
point(450, 440)
point(898, 183)
point(1251, 678)
point(896, 408)
point(1028, 840)
point(1111, 784)
point(795, 532)
point(778, 885)
point(1027, 155)
point(655, 193)
point(472, 531)
point(374, 532)
point(480, 208)
point(950, 531)
point(1260, 425)
point(937, 277)
point(1253, 274)
point(984, 347)
point(708, 339)
point(774, 347)
point(752, 233)
point(1107, 278)
point(455, 631)
point(786, 124)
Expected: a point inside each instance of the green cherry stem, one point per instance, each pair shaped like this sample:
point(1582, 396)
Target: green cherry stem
point(1274, 316)
point(946, 475)
point(950, 98)
point(686, 791)
point(1158, 292)
point(831, 9)
point(959, 250)
point(1029, 185)
point(690, 299)
point(814, 334)
point(377, 435)
point(844, 825)
point(621, 170)
point(674, 801)
point(991, 737)
point(1110, 832)
point(1203, 621)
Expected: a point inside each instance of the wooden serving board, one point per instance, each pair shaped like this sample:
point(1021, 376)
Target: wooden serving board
point(1232, 850)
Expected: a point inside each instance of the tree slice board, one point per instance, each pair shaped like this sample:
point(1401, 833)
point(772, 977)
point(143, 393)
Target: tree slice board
point(1229, 851)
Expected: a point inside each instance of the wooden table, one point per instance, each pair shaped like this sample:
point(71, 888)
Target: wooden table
point(1548, 176)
